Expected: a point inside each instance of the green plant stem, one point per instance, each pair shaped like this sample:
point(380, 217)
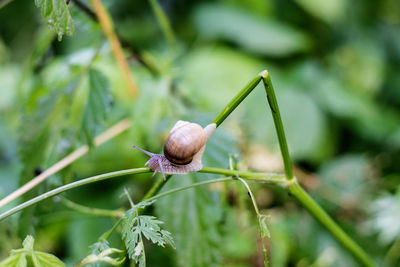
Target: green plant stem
point(92, 211)
point(107, 234)
point(236, 100)
point(262, 177)
point(69, 186)
point(253, 200)
point(164, 23)
point(270, 178)
point(320, 215)
point(217, 180)
point(156, 187)
point(273, 104)
point(269, 89)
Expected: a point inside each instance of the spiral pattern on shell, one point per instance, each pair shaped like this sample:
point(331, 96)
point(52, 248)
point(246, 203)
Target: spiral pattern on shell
point(184, 142)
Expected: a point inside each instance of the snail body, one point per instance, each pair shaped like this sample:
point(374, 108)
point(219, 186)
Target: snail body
point(183, 149)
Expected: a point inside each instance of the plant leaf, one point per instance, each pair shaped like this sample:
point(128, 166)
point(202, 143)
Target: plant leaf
point(57, 15)
point(98, 104)
point(135, 226)
point(16, 260)
point(145, 203)
point(193, 218)
point(95, 259)
point(39, 259)
point(42, 259)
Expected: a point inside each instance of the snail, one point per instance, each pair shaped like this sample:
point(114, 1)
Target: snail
point(183, 149)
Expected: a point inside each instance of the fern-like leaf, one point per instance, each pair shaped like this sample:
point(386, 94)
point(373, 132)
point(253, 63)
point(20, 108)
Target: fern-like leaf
point(135, 226)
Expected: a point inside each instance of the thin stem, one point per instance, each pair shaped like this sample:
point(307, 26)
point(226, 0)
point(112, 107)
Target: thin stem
point(164, 23)
point(217, 180)
point(108, 29)
point(273, 104)
point(236, 100)
point(277, 179)
point(259, 218)
point(129, 198)
point(107, 234)
point(156, 187)
point(320, 215)
point(70, 186)
point(102, 138)
point(91, 211)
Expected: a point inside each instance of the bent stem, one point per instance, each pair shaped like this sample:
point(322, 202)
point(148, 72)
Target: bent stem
point(292, 186)
point(320, 215)
point(273, 104)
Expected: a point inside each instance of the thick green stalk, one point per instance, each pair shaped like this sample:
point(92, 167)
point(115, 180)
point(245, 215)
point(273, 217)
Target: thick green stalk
point(270, 178)
point(155, 188)
point(273, 104)
point(320, 215)
point(236, 100)
point(67, 187)
point(217, 180)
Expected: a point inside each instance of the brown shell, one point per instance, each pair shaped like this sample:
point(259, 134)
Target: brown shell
point(184, 142)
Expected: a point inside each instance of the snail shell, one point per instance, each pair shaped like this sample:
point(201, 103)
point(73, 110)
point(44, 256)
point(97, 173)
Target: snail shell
point(184, 141)
point(183, 149)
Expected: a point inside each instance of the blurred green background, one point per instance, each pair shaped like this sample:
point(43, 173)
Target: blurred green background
point(335, 67)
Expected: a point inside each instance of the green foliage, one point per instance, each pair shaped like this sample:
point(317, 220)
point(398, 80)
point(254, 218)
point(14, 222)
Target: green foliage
point(136, 226)
point(259, 35)
point(337, 84)
point(100, 253)
point(57, 15)
point(193, 221)
point(20, 257)
point(98, 104)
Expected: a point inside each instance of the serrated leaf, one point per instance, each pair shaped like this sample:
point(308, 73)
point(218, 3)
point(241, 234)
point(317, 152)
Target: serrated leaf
point(98, 104)
point(192, 216)
point(57, 16)
point(17, 260)
point(135, 226)
point(41, 259)
point(143, 204)
point(168, 238)
point(259, 35)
